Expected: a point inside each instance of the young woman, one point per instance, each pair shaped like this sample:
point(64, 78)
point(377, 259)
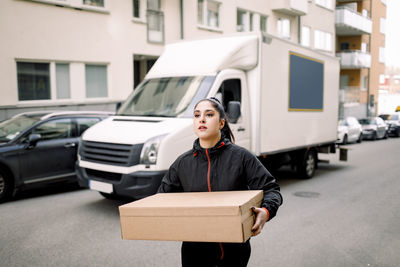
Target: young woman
point(216, 164)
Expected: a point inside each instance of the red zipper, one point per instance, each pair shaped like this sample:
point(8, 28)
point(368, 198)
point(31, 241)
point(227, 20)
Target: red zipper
point(208, 172)
point(209, 190)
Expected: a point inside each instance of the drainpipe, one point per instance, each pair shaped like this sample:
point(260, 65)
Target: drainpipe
point(299, 29)
point(181, 17)
point(369, 69)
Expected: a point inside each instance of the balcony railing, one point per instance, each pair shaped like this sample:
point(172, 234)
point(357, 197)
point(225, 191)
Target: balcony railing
point(290, 7)
point(354, 59)
point(350, 22)
point(349, 95)
point(155, 26)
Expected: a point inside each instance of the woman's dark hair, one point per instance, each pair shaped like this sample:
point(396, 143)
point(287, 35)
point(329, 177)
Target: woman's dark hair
point(226, 130)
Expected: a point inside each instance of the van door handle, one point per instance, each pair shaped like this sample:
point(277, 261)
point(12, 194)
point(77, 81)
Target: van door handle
point(69, 145)
point(241, 129)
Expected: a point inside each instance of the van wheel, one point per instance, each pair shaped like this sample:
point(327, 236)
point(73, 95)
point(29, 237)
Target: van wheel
point(5, 186)
point(307, 164)
point(374, 136)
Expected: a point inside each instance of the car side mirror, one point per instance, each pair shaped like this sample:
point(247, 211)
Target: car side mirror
point(233, 111)
point(32, 140)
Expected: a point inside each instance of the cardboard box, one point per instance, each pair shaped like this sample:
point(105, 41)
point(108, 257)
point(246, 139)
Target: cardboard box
point(202, 216)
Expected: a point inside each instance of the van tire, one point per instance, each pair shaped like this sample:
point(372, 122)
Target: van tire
point(5, 186)
point(307, 164)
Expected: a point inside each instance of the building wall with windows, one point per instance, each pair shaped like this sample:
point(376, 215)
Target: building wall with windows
point(77, 57)
point(378, 37)
point(90, 54)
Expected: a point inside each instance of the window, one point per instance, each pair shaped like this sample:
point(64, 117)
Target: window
point(322, 40)
point(382, 25)
point(33, 81)
point(382, 54)
point(154, 4)
point(54, 129)
point(325, 3)
point(136, 5)
point(364, 83)
point(305, 36)
point(283, 26)
point(87, 5)
point(155, 26)
point(230, 90)
point(97, 3)
point(364, 47)
point(96, 81)
point(62, 81)
point(241, 20)
point(208, 13)
point(85, 123)
point(344, 46)
point(263, 23)
point(381, 78)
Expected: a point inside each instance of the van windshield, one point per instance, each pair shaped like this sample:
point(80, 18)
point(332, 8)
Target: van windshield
point(165, 97)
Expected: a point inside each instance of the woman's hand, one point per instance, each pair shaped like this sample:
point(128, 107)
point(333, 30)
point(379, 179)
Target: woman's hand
point(261, 219)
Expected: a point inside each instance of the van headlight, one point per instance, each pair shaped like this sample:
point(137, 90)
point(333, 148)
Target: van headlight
point(150, 150)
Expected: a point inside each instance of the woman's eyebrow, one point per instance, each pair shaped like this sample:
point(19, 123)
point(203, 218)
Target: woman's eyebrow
point(207, 110)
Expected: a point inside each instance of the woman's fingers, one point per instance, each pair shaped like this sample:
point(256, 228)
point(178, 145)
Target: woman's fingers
point(261, 218)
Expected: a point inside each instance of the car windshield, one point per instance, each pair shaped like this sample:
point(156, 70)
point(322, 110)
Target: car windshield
point(165, 97)
point(365, 121)
point(394, 117)
point(11, 128)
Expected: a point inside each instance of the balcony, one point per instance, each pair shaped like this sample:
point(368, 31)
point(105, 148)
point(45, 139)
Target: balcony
point(290, 7)
point(354, 59)
point(350, 22)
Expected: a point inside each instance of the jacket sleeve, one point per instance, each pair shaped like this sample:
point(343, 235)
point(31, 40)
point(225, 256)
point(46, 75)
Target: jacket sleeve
point(170, 182)
point(258, 178)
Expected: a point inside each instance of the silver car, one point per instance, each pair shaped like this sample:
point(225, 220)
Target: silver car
point(373, 128)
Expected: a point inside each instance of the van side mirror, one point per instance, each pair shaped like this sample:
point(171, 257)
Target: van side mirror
point(233, 111)
point(32, 140)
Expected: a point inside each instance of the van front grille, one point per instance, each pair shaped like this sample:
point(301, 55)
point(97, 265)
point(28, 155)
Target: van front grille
point(111, 154)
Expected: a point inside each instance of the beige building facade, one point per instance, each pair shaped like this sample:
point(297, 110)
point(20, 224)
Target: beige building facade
point(360, 43)
point(90, 54)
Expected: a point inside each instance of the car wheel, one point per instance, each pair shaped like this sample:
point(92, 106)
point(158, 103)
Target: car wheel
point(386, 135)
point(360, 137)
point(344, 139)
point(307, 164)
point(5, 186)
point(374, 136)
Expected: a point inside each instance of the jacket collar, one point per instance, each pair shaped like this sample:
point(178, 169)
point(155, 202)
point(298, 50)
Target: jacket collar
point(198, 150)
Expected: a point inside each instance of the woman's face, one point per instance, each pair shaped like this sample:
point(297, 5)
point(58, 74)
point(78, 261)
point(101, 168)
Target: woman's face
point(206, 122)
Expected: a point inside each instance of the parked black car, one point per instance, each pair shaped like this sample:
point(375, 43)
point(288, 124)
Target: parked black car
point(393, 122)
point(38, 148)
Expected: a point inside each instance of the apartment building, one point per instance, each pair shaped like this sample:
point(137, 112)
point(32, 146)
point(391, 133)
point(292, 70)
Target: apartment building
point(90, 54)
point(360, 43)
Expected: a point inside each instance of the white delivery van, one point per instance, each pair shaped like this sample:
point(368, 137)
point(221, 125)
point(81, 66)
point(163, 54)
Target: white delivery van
point(288, 97)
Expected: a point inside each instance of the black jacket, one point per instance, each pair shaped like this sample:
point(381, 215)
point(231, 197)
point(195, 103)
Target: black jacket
point(225, 167)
